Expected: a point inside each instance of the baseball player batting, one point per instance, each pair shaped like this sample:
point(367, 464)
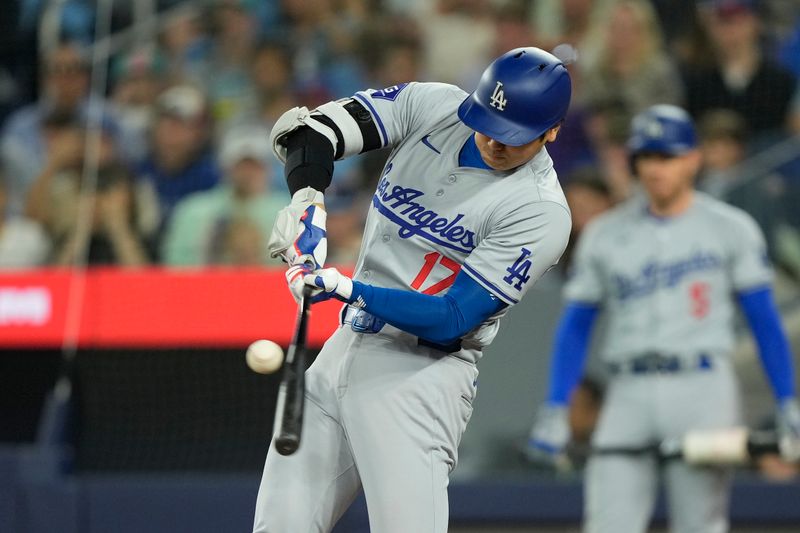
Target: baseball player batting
point(667, 268)
point(467, 215)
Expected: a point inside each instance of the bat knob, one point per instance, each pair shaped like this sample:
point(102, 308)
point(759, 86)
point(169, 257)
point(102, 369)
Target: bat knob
point(287, 444)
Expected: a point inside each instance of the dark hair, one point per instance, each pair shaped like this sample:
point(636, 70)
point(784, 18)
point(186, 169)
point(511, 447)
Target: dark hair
point(722, 124)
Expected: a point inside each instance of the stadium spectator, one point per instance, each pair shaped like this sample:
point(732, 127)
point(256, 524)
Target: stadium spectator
point(575, 148)
point(23, 242)
point(63, 163)
point(64, 93)
point(18, 60)
point(741, 77)
point(392, 54)
point(607, 127)
point(321, 36)
point(180, 160)
point(512, 27)
point(137, 81)
point(392, 57)
point(230, 223)
point(185, 44)
point(761, 192)
point(577, 22)
point(112, 237)
point(67, 19)
point(588, 195)
point(226, 76)
point(677, 19)
point(633, 70)
point(59, 198)
point(271, 72)
point(723, 141)
point(459, 36)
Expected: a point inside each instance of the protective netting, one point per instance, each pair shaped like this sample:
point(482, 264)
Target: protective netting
point(155, 410)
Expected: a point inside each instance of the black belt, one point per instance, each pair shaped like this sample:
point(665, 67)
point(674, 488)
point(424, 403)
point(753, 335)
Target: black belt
point(658, 363)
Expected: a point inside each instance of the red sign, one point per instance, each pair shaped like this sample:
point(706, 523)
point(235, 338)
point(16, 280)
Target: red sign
point(153, 308)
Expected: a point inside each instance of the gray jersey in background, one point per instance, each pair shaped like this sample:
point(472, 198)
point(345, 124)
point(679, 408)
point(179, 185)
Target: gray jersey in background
point(668, 285)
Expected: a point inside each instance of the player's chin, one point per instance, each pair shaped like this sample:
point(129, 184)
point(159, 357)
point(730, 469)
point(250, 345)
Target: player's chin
point(657, 187)
point(661, 195)
point(498, 163)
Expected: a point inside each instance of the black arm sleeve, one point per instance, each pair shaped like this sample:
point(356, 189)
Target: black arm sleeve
point(309, 160)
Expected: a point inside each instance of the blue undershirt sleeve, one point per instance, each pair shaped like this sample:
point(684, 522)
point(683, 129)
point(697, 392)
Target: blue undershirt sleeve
point(570, 347)
point(773, 346)
point(438, 319)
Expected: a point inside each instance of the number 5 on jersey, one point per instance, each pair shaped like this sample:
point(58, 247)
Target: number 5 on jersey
point(431, 260)
point(700, 300)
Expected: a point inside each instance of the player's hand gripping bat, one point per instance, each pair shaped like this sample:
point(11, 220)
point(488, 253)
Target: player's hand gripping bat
point(291, 394)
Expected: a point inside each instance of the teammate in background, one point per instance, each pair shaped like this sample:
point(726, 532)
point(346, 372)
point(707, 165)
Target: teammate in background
point(666, 268)
point(467, 215)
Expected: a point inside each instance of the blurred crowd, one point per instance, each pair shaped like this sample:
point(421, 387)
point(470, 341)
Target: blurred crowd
point(166, 160)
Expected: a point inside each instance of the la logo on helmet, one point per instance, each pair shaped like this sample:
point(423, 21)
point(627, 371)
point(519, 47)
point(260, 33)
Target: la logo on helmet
point(498, 99)
point(652, 128)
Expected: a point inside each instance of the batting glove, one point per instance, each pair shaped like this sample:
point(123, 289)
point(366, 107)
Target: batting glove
point(330, 283)
point(294, 278)
point(549, 436)
point(789, 429)
point(298, 235)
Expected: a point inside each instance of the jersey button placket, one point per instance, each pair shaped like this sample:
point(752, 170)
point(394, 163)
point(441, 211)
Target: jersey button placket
point(661, 297)
point(451, 178)
point(385, 238)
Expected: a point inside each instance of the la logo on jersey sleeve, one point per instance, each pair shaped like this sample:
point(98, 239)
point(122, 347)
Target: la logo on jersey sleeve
point(518, 272)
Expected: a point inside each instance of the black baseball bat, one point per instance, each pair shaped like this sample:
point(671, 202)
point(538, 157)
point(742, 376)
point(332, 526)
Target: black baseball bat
point(725, 446)
point(291, 394)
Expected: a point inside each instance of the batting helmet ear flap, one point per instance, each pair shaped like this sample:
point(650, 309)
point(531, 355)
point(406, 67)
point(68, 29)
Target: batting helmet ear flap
point(521, 95)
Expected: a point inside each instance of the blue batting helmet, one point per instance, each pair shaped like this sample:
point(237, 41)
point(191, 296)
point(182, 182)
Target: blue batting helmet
point(662, 129)
point(521, 95)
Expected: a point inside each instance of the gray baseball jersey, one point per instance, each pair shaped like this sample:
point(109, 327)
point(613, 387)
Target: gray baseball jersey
point(429, 220)
point(430, 217)
point(667, 285)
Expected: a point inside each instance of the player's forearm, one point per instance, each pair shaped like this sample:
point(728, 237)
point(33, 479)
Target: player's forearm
point(570, 348)
point(773, 346)
point(439, 319)
point(309, 160)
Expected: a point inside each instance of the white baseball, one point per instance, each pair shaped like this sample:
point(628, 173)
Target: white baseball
point(264, 357)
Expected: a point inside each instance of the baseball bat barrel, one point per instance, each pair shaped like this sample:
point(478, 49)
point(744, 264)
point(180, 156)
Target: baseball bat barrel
point(291, 394)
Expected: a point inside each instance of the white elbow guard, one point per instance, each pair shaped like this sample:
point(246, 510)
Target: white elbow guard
point(336, 113)
point(348, 127)
point(290, 121)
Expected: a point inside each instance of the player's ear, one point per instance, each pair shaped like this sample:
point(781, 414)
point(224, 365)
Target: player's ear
point(551, 134)
point(695, 160)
